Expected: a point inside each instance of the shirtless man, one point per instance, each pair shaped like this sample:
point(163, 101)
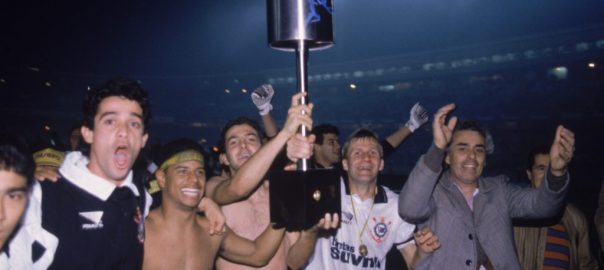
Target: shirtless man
point(244, 194)
point(177, 237)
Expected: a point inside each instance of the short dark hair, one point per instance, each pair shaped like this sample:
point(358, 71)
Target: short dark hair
point(362, 133)
point(470, 125)
point(242, 120)
point(116, 87)
point(542, 149)
point(323, 129)
point(16, 157)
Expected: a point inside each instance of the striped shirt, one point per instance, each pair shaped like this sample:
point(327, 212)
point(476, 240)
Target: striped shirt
point(557, 248)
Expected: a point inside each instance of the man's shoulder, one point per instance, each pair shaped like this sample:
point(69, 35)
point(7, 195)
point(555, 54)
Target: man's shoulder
point(50, 189)
point(204, 224)
point(572, 211)
point(215, 180)
point(496, 181)
point(390, 195)
point(62, 187)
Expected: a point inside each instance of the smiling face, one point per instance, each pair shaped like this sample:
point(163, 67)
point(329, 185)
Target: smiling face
point(241, 142)
point(183, 183)
point(117, 138)
point(363, 160)
point(466, 157)
point(13, 201)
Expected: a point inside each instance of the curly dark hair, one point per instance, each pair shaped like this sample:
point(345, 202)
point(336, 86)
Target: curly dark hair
point(116, 87)
point(323, 129)
point(16, 157)
point(235, 122)
point(541, 149)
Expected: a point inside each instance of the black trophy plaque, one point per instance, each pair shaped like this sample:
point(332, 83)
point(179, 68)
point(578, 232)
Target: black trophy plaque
point(298, 200)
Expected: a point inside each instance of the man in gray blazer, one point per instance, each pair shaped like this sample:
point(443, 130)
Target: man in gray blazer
point(472, 214)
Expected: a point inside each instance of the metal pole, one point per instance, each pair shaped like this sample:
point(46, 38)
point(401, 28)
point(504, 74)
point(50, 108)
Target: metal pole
point(301, 65)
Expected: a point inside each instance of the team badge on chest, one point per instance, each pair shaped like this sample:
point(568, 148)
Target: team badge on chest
point(380, 229)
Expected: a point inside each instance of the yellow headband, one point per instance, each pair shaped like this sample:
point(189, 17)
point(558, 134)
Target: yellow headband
point(49, 157)
point(182, 157)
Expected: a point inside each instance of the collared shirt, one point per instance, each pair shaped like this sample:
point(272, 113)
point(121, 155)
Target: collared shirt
point(75, 170)
point(469, 201)
point(383, 230)
point(88, 222)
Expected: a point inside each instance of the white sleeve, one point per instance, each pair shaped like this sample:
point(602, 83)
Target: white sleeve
point(148, 202)
point(404, 235)
point(31, 231)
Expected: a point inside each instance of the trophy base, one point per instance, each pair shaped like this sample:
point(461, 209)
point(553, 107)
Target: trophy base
point(298, 200)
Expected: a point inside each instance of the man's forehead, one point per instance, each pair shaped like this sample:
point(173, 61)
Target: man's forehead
point(541, 158)
point(467, 137)
point(241, 129)
point(330, 135)
point(12, 180)
point(188, 164)
point(115, 104)
point(365, 141)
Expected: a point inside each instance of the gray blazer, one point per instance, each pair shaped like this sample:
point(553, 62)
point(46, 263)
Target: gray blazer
point(430, 198)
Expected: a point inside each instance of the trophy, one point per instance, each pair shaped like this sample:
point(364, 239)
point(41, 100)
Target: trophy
point(299, 199)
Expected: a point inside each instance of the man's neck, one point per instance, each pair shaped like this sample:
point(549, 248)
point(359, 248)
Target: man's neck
point(363, 190)
point(176, 215)
point(467, 189)
point(94, 170)
point(323, 161)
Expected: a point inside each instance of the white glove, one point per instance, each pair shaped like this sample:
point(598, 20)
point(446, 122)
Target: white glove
point(261, 97)
point(418, 117)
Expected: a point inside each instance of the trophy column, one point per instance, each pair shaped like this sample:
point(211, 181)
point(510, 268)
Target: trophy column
point(299, 199)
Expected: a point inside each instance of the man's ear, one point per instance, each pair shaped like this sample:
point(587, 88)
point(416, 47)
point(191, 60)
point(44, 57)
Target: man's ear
point(345, 164)
point(145, 138)
point(529, 175)
point(87, 134)
point(381, 164)
point(161, 178)
point(447, 159)
point(223, 159)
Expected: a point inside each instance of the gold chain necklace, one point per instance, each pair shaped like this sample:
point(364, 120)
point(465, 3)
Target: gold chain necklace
point(362, 247)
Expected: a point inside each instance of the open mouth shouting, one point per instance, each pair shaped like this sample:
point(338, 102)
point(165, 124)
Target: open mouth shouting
point(244, 156)
point(122, 157)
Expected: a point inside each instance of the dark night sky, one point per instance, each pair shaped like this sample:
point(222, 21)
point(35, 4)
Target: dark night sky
point(187, 52)
point(164, 38)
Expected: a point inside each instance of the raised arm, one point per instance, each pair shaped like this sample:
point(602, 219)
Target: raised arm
point(417, 117)
point(562, 151)
point(246, 179)
point(261, 97)
point(415, 199)
point(546, 200)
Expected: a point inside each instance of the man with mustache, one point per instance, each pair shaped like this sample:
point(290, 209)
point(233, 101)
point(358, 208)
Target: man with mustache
point(471, 213)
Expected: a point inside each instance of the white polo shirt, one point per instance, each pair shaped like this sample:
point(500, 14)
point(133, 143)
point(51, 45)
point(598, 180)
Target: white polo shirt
point(384, 229)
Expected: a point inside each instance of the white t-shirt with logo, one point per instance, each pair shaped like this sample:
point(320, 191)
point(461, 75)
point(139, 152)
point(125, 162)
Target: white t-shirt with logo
point(384, 229)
